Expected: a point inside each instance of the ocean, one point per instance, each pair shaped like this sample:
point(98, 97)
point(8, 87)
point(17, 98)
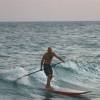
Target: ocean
point(22, 45)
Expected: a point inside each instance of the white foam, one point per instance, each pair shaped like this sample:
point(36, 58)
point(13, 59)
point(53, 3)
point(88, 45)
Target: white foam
point(15, 73)
point(70, 64)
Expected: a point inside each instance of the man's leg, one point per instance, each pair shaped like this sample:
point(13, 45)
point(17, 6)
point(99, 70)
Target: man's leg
point(49, 80)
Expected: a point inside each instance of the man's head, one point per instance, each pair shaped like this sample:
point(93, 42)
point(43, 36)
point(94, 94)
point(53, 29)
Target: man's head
point(49, 49)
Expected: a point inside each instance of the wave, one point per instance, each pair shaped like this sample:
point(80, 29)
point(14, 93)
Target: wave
point(13, 74)
point(80, 73)
point(68, 73)
point(77, 67)
point(71, 74)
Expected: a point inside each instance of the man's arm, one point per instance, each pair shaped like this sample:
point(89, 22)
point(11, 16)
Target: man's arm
point(58, 57)
point(42, 61)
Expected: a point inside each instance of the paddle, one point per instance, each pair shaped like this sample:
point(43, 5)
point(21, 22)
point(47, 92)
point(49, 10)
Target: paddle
point(35, 72)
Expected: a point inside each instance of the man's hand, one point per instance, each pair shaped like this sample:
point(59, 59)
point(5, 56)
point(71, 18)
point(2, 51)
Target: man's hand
point(41, 69)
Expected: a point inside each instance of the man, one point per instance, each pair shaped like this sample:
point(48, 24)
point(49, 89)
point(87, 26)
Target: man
point(46, 61)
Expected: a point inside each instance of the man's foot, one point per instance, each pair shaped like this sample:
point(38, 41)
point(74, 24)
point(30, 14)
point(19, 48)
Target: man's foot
point(49, 87)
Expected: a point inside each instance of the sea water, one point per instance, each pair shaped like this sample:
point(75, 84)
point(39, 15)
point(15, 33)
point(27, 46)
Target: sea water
point(22, 45)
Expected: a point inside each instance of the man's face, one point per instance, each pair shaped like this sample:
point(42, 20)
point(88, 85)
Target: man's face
point(50, 50)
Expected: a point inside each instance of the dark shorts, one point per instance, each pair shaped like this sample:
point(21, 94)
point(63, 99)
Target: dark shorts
point(48, 69)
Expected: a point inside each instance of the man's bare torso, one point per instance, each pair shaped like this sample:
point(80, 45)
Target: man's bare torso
point(48, 58)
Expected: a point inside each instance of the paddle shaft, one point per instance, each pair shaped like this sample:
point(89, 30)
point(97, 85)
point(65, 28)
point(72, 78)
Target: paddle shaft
point(28, 74)
point(57, 64)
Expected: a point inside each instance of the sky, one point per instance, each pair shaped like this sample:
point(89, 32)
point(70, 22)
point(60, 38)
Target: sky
point(49, 10)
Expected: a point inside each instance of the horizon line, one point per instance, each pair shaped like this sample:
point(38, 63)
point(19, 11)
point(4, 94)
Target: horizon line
point(52, 21)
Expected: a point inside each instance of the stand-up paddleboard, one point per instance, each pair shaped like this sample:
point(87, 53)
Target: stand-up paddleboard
point(65, 91)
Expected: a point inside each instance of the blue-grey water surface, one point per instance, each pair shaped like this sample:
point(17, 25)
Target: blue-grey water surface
point(22, 45)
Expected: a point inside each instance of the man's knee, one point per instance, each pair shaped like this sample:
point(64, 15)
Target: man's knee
point(50, 76)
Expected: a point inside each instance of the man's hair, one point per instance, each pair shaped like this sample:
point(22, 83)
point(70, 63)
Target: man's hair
point(49, 48)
